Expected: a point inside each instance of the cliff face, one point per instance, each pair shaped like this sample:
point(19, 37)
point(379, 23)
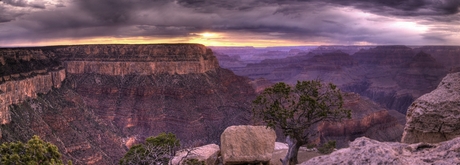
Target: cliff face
point(392, 76)
point(23, 74)
point(62, 118)
point(193, 106)
point(447, 55)
point(368, 119)
point(17, 91)
point(120, 60)
point(114, 96)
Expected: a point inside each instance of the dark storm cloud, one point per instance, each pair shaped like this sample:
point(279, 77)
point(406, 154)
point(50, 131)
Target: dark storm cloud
point(395, 7)
point(24, 3)
point(287, 19)
point(4, 19)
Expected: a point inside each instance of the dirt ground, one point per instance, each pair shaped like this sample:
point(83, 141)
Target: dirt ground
point(302, 156)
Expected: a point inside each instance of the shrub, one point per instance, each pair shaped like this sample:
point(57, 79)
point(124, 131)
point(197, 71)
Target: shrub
point(155, 150)
point(193, 162)
point(35, 151)
point(327, 148)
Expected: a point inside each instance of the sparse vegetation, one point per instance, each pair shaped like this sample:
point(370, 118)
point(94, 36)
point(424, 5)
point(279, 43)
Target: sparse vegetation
point(155, 150)
point(35, 151)
point(297, 110)
point(193, 162)
point(327, 147)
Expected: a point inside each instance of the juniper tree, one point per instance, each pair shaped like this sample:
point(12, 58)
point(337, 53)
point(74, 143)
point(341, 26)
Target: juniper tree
point(35, 151)
point(296, 110)
point(155, 150)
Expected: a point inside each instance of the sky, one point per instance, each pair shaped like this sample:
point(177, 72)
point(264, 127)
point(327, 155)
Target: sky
point(230, 22)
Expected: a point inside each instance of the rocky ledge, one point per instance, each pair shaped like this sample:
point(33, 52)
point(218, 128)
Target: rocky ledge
point(434, 117)
point(367, 151)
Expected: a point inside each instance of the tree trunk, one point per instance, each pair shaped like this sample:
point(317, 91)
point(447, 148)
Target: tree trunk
point(291, 157)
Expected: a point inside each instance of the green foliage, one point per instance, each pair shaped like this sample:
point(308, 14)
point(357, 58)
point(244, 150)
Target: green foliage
point(328, 147)
point(311, 145)
point(295, 110)
point(35, 151)
point(193, 162)
point(155, 150)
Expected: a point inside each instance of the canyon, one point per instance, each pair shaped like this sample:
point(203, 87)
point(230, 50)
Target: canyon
point(95, 101)
point(431, 134)
point(393, 76)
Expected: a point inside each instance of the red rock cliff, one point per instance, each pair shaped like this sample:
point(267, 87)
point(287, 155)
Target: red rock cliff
point(117, 95)
point(23, 74)
point(122, 60)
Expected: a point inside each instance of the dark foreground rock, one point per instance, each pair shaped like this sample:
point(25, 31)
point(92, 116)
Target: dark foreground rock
point(367, 151)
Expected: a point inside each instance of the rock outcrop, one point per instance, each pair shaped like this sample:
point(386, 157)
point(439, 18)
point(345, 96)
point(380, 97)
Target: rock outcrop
point(62, 118)
point(247, 144)
point(367, 151)
point(120, 60)
point(434, 117)
point(207, 154)
point(25, 73)
point(17, 91)
point(368, 119)
point(125, 93)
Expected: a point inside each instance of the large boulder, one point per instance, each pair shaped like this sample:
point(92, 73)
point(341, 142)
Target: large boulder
point(434, 117)
point(207, 154)
point(367, 151)
point(247, 144)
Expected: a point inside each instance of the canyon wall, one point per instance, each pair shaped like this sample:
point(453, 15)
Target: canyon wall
point(393, 76)
point(114, 96)
point(17, 91)
point(24, 73)
point(120, 60)
point(368, 119)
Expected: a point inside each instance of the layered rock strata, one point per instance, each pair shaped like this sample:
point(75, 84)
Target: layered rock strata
point(434, 117)
point(62, 118)
point(115, 96)
point(120, 60)
point(393, 76)
point(17, 91)
point(368, 119)
point(25, 73)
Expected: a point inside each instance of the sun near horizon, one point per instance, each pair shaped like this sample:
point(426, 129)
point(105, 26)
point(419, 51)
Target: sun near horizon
point(205, 38)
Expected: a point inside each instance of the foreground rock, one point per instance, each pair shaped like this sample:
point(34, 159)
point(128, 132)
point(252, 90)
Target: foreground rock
point(206, 154)
point(247, 144)
point(366, 151)
point(434, 117)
